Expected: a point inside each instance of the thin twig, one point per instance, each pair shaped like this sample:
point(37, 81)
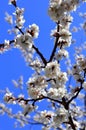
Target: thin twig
point(3, 44)
point(19, 30)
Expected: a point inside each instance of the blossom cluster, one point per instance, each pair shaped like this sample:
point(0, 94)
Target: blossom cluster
point(58, 8)
point(36, 86)
point(79, 68)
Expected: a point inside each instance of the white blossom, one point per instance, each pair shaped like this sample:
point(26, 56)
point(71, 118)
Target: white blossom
point(62, 53)
point(36, 64)
point(65, 38)
point(24, 41)
point(19, 17)
point(61, 78)
point(37, 81)
point(7, 42)
point(81, 62)
point(34, 30)
point(66, 22)
point(55, 3)
point(52, 69)
point(56, 93)
point(84, 85)
point(27, 109)
point(20, 21)
point(65, 34)
point(76, 72)
point(15, 83)
point(56, 13)
point(9, 98)
point(60, 116)
point(46, 128)
point(9, 18)
point(36, 86)
point(19, 82)
point(44, 116)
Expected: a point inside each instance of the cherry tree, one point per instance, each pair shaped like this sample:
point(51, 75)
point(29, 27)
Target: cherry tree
point(58, 86)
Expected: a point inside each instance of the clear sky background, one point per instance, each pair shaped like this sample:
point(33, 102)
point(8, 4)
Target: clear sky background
point(12, 63)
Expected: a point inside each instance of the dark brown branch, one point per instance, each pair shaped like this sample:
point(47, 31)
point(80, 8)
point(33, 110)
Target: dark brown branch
point(55, 100)
point(3, 45)
point(14, 3)
point(55, 46)
point(19, 30)
point(46, 97)
point(71, 122)
point(65, 103)
point(38, 99)
point(75, 95)
point(54, 50)
point(40, 54)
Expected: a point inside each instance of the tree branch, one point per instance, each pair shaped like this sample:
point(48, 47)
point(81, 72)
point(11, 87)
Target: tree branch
point(35, 48)
point(71, 122)
point(75, 95)
point(55, 46)
point(40, 54)
point(38, 99)
point(3, 45)
point(19, 30)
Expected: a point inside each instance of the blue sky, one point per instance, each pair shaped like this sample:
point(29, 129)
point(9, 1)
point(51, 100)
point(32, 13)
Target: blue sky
point(12, 64)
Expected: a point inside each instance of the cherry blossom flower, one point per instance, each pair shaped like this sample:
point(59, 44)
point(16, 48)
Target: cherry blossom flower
point(34, 30)
point(60, 116)
point(27, 109)
point(24, 41)
point(62, 53)
point(52, 69)
point(9, 18)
